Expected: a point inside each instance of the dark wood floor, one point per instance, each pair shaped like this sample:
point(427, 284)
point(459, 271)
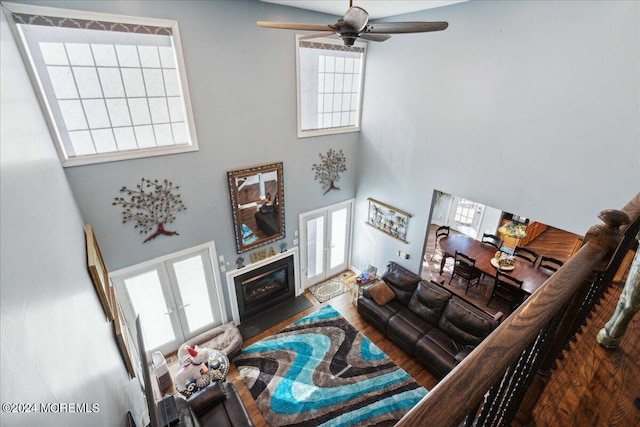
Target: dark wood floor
point(593, 386)
point(554, 243)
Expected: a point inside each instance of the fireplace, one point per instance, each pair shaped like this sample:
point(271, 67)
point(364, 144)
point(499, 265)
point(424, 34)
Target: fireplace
point(263, 287)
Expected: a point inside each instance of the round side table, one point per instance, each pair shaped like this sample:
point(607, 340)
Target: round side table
point(218, 365)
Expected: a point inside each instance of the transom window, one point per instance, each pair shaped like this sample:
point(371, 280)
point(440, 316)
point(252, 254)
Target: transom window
point(112, 87)
point(330, 78)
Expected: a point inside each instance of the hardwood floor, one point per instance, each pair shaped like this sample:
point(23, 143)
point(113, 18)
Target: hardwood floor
point(593, 386)
point(590, 387)
point(555, 243)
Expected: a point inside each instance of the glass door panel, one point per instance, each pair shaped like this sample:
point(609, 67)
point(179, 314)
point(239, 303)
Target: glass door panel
point(338, 238)
point(315, 247)
point(194, 295)
point(148, 300)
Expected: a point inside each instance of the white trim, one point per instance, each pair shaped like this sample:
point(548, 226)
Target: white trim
point(333, 206)
point(104, 158)
point(83, 14)
point(66, 161)
point(327, 131)
point(231, 275)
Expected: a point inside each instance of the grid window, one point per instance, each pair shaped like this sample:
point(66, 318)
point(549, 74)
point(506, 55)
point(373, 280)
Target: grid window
point(112, 88)
point(338, 88)
point(329, 86)
point(465, 211)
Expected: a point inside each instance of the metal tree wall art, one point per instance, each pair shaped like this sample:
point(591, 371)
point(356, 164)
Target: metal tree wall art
point(151, 204)
point(329, 169)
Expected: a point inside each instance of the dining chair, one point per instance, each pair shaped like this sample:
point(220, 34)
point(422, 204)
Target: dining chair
point(441, 232)
point(527, 254)
point(549, 264)
point(492, 240)
point(509, 289)
point(465, 268)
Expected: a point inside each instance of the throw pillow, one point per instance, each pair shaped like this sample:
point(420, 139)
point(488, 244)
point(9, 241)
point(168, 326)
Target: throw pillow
point(381, 293)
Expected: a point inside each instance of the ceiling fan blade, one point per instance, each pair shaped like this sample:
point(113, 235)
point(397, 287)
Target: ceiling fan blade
point(295, 26)
point(404, 27)
point(356, 17)
point(375, 37)
point(318, 35)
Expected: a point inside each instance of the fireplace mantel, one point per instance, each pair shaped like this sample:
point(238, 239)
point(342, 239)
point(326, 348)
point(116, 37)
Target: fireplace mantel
point(231, 275)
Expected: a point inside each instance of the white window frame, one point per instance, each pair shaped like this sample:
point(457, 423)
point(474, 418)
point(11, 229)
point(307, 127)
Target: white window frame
point(10, 8)
point(334, 130)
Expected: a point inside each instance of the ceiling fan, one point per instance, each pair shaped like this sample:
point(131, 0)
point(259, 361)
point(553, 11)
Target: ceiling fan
point(355, 24)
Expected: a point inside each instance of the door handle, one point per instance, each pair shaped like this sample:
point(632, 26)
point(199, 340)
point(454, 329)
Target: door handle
point(184, 306)
point(169, 312)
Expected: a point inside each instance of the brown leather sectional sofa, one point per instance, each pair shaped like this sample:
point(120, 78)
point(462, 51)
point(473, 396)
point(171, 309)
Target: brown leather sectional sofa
point(427, 321)
point(217, 405)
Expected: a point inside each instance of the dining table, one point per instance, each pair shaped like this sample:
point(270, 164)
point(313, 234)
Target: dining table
point(531, 276)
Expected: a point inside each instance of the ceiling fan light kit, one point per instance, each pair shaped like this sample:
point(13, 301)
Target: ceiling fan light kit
point(355, 24)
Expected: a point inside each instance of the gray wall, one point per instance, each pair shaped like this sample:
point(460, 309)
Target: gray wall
point(243, 90)
point(56, 345)
point(529, 107)
point(546, 92)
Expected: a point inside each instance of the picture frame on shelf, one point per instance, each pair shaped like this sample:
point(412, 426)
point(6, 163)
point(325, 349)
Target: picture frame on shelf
point(388, 219)
point(373, 271)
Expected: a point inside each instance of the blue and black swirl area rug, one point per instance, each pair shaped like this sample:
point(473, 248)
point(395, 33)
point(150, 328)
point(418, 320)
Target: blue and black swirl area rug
point(320, 371)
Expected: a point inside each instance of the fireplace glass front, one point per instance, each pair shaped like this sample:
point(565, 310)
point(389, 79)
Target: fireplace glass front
point(264, 287)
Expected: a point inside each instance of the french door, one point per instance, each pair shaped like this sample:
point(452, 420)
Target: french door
point(325, 242)
point(177, 297)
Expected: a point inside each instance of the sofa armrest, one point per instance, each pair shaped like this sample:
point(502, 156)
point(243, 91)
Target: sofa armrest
point(498, 316)
point(204, 399)
point(236, 411)
point(464, 353)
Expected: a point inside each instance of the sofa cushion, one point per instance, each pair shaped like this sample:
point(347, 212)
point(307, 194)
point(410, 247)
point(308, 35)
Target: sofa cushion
point(437, 351)
point(405, 329)
point(466, 324)
point(402, 281)
point(428, 301)
point(204, 399)
point(377, 315)
point(381, 292)
point(230, 412)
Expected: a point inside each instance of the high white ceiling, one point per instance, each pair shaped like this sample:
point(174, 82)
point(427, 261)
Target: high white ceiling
point(375, 8)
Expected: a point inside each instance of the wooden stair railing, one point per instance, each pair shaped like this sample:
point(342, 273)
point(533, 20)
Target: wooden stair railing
point(488, 386)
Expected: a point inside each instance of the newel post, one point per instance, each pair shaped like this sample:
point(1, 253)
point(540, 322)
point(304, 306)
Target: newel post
point(607, 236)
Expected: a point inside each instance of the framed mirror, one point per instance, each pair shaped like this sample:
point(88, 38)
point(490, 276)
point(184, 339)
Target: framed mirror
point(257, 205)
